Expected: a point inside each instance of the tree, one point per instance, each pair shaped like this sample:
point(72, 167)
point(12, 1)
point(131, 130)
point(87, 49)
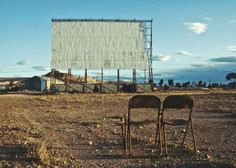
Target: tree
point(170, 82)
point(199, 84)
point(186, 84)
point(178, 85)
point(230, 76)
point(161, 82)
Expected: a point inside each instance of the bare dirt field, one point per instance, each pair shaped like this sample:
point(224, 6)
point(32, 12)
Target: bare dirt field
point(79, 130)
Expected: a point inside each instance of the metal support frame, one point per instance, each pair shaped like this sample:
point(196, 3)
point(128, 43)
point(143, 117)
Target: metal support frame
point(52, 79)
point(134, 80)
point(100, 20)
point(67, 81)
point(145, 76)
point(101, 85)
point(85, 81)
point(118, 80)
point(134, 77)
point(148, 47)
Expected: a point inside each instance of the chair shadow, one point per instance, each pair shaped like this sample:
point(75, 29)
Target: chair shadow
point(179, 151)
point(174, 152)
point(15, 152)
point(123, 156)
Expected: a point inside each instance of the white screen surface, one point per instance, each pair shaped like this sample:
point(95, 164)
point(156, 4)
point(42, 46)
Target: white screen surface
point(98, 45)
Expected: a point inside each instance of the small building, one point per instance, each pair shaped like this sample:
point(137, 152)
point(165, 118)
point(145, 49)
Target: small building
point(39, 83)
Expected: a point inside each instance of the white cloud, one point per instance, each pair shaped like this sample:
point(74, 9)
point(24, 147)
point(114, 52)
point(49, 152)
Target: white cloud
point(231, 48)
point(198, 65)
point(181, 52)
point(196, 27)
point(207, 18)
point(224, 59)
point(232, 21)
point(24, 62)
point(161, 58)
point(41, 68)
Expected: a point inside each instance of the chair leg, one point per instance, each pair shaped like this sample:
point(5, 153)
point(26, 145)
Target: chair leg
point(126, 136)
point(129, 141)
point(160, 140)
point(122, 126)
point(123, 135)
point(185, 134)
point(194, 142)
point(157, 132)
point(123, 130)
point(164, 135)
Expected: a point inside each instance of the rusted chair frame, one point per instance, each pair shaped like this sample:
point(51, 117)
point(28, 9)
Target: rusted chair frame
point(140, 101)
point(122, 124)
point(176, 102)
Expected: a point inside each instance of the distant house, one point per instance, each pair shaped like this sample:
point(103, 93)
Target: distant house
point(39, 83)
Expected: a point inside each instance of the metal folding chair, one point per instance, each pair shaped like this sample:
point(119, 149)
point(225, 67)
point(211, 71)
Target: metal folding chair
point(140, 101)
point(176, 103)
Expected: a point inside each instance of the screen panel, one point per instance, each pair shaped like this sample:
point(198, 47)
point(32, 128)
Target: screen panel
point(98, 45)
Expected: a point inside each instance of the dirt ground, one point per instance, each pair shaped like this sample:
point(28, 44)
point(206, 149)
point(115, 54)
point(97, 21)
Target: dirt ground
point(79, 130)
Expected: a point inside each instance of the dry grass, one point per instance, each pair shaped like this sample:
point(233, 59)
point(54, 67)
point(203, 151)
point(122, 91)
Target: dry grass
point(37, 149)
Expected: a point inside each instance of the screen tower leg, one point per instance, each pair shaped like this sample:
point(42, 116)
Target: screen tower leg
point(118, 80)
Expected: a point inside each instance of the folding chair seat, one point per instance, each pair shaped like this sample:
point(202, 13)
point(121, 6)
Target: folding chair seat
point(178, 104)
point(137, 102)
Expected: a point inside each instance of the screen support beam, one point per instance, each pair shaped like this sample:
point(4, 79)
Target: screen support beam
point(118, 80)
point(101, 85)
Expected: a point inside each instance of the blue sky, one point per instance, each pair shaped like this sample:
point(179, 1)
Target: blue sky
point(192, 39)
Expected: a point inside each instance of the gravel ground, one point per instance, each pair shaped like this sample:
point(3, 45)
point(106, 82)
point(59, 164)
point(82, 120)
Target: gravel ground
point(79, 130)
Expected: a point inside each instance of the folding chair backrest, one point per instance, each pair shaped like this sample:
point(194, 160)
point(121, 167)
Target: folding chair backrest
point(180, 112)
point(178, 102)
point(140, 103)
point(144, 101)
